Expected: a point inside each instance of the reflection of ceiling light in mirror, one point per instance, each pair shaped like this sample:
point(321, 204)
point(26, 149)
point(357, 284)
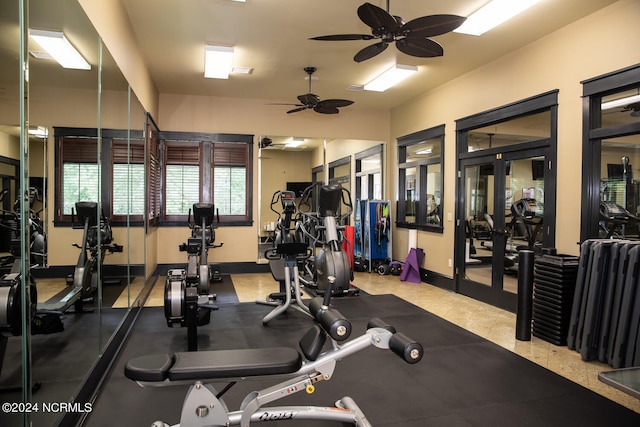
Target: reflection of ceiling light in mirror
point(57, 45)
point(493, 14)
point(217, 62)
point(295, 142)
point(391, 77)
point(622, 102)
point(40, 131)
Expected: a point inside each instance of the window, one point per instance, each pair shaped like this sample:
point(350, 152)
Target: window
point(182, 177)
point(208, 168)
point(128, 177)
point(168, 172)
point(420, 180)
point(231, 180)
point(78, 158)
point(611, 153)
point(230, 190)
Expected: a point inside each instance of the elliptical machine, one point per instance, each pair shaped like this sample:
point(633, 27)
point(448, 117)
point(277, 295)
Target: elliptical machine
point(286, 224)
point(97, 242)
point(187, 301)
point(323, 227)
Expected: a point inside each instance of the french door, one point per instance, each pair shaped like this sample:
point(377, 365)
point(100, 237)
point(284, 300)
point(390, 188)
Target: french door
point(501, 210)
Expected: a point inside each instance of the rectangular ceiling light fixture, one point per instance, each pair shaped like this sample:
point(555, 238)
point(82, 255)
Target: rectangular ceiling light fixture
point(57, 45)
point(295, 142)
point(391, 77)
point(218, 60)
point(493, 14)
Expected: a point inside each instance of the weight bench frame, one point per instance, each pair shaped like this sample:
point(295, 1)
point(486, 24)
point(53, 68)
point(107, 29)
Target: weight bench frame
point(203, 405)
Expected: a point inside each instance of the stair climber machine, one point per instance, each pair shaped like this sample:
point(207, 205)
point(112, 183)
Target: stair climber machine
point(187, 301)
point(324, 227)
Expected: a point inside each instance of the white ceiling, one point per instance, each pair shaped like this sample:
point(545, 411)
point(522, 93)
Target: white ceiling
point(272, 37)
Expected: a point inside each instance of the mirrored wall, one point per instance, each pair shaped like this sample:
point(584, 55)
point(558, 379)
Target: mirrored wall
point(292, 163)
point(77, 302)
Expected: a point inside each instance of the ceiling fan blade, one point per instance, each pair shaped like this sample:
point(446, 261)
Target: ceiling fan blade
point(326, 109)
point(376, 17)
point(295, 110)
point(423, 48)
point(309, 99)
point(340, 37)
point(279, 103)
point(432, 25)
point(334, 103)
point(370, 51)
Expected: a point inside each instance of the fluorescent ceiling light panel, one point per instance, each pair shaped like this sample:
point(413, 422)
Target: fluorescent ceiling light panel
point(40, 131)
point(391, 77)
point(57, 45)
point(218, 60)
point(493, 14)
point(622, 102)
point(295, 142)
point(425, 151)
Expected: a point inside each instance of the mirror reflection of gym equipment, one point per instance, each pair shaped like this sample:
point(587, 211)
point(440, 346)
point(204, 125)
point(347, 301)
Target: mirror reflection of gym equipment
point(619, 202)
point(522, 218)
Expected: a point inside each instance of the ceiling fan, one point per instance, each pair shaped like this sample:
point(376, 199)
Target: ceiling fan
point(311, 101)
point(410, 37)
point(634, 108)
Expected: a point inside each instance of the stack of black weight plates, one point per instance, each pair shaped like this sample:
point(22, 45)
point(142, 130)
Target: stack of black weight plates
point(554, 281)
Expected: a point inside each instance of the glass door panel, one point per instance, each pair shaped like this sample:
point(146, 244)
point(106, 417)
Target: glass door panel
point(480, 230)
point(502, 213)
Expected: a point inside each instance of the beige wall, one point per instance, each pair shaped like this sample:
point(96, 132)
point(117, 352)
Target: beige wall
point(600, 43)
point(254, 116)
point(112, 23)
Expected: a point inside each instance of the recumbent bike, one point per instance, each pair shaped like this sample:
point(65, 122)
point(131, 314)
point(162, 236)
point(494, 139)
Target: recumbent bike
point(204, 406)
point(187, 301)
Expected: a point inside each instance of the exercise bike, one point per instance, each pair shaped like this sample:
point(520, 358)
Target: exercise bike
point(323, 227)
point(187, 301)
point(204, 406)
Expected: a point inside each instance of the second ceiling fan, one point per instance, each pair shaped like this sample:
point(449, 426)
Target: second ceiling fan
point(312, 101)
point(410, 38)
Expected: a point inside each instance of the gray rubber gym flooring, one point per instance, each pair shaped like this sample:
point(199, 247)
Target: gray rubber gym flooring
point(463, 380)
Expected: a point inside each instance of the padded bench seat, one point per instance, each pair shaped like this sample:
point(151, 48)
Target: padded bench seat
point(215, 364)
